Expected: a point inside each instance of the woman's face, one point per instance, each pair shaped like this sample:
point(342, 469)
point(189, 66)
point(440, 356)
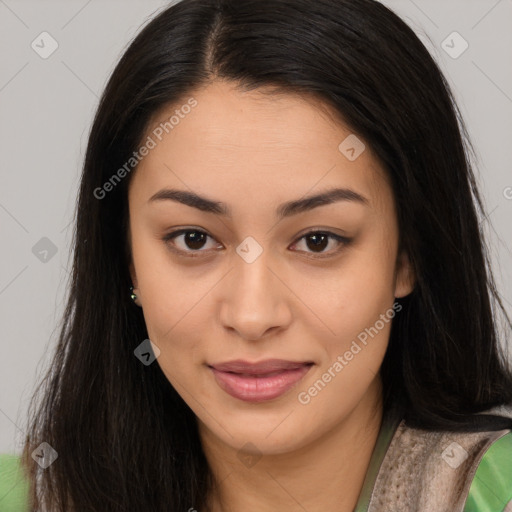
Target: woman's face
point(245, 280)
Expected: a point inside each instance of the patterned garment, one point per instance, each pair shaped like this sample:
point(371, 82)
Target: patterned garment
point(439, 471)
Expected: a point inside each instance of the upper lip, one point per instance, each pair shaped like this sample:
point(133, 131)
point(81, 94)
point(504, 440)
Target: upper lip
point(261, 367)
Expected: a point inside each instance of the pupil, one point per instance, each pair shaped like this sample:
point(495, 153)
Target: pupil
point(318, 243)
point(192, 239)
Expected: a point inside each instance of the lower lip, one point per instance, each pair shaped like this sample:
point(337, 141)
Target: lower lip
point(261, 388)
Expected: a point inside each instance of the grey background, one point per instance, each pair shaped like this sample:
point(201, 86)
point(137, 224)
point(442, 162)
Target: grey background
point(47, 106)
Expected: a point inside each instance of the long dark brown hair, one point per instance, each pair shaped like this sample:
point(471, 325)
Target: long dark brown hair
point(126, 441)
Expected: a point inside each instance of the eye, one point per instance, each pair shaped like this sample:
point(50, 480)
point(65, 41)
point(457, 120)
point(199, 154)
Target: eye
point(319, 240)
point(193, 239)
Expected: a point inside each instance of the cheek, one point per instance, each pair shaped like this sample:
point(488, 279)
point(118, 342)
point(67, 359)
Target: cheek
point(354, 312)
point(352, 297)
point(180, 355)
point(368, 281)
point(166, 292)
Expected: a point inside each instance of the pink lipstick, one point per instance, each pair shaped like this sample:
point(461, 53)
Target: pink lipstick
point(259, 382)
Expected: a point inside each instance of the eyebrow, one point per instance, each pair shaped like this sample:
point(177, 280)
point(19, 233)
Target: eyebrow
point(287, 209)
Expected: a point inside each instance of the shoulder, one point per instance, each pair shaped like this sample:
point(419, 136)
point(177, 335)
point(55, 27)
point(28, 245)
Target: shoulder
point(14, 488)
point(428, 469)
point(491, 488)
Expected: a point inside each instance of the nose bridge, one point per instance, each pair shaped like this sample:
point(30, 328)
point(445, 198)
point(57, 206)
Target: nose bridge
point(253, 276)
point(254, 280)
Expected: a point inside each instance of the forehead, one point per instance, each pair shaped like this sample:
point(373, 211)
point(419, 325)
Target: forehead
point(254, 142)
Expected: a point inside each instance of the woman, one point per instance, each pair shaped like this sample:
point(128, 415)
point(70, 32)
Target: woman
point(279, 196)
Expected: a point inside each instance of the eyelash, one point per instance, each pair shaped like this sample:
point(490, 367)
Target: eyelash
point(344, 241)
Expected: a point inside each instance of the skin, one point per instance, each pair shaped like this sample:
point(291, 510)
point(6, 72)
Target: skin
point(253, 152)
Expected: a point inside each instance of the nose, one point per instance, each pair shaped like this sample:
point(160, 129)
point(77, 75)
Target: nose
point(255, 299)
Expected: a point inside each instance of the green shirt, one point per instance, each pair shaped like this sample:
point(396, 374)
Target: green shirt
point(13, 486)
point(491, 489)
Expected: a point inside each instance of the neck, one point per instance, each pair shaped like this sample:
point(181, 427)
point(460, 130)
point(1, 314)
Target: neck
point(326, 475)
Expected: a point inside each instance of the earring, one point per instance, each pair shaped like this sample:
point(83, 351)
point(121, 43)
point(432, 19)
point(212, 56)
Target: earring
point(133, 296)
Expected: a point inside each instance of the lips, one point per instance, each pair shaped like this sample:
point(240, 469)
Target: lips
point(268, 366)
point(259, 382)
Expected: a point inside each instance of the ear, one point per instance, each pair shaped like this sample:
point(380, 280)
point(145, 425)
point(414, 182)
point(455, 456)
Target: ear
point(135, 284)
point(405, 278)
